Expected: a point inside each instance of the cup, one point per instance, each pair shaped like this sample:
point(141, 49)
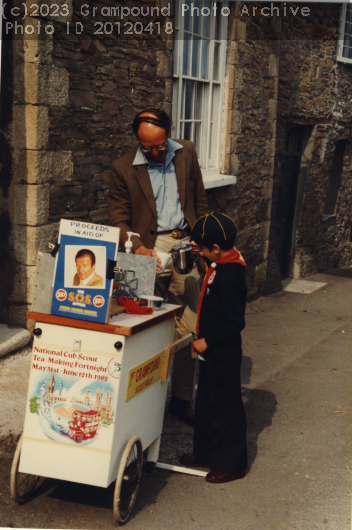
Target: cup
point(164, 260)
point(151, 301)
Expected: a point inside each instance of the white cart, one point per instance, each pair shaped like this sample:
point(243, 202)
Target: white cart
point(119, 373)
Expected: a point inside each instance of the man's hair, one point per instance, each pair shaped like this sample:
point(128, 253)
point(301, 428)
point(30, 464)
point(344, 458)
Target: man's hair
point(86, 252)
point(159, 118)
point(224, 245)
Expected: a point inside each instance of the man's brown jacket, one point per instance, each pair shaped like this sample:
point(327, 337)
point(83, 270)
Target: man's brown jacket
point(131, 199)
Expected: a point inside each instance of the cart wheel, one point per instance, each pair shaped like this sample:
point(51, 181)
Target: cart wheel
point(22, 485)
point(79, 439)
point(128, 479)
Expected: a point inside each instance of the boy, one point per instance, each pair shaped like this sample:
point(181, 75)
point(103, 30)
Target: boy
point(220, 421)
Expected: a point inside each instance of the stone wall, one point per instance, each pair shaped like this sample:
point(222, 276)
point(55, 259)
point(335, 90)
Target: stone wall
point(110, 78)
point(76, 91)
point(250, 149)
point(314, 91)
point(6, 191)
point(298, 81)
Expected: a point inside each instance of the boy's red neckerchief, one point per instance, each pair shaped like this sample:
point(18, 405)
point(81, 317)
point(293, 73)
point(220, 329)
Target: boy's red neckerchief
point(234, 256)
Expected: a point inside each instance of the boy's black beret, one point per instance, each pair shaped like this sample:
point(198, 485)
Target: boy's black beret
point(215, 227)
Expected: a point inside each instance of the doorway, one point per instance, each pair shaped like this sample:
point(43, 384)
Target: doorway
point(292, 183)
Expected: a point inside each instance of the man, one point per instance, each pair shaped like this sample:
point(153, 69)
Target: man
point(157, 191)
point(85, 265)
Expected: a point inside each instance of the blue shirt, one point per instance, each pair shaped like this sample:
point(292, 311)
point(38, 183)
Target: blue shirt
point(165, 189)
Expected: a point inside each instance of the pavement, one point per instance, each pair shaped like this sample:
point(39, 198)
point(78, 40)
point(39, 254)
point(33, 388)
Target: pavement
point(297, 392)
point(13, 338)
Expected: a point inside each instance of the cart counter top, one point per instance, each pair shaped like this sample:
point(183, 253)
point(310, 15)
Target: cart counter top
point(123, 324)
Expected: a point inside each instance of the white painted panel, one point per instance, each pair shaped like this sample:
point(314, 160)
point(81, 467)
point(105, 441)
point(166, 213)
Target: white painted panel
point(75, 464)
point(72, 370)
point(91, 340)
point(143, 415)
point(49, 452)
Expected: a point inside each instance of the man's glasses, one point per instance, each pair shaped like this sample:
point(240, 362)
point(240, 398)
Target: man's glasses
point(159, 148)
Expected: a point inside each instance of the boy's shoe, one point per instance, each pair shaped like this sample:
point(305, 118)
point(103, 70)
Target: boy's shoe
point(218, 477)
point(189, 460)
point(183, 409)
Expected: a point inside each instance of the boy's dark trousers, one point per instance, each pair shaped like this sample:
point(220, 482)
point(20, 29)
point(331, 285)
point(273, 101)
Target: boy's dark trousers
point(220, 422)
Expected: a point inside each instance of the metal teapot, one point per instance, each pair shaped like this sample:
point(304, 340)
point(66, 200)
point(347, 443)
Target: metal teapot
point(183, 258)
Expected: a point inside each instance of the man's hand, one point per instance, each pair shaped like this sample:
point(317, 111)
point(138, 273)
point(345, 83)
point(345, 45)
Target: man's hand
point(143, 251)
point(200, 345)
point(195, 248)
point(202, 265)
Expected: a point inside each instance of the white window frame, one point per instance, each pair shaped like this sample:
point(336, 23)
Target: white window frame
point(342, 35)
point(210, 167)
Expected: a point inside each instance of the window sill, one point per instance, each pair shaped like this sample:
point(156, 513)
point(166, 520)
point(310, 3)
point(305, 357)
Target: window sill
point(345, 60)
point(326, 216)
point(213, 179)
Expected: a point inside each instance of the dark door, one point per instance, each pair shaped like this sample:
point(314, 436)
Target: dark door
point(290, 167)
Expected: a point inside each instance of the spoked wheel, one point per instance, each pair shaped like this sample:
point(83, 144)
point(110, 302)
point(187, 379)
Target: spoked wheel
point(22, 485)
point(128, 479)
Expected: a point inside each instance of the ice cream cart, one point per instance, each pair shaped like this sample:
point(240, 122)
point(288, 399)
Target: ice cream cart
point(96, 400)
